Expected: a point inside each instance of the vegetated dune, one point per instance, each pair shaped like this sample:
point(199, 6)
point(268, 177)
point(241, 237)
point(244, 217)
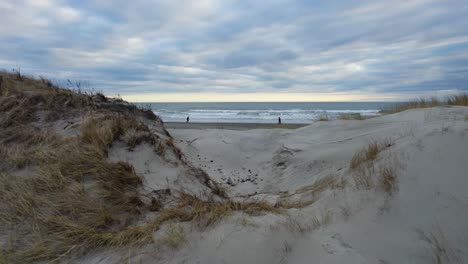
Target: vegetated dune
point(88, 179)
point(84, 174)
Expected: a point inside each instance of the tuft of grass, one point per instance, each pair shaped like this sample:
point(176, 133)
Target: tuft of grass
point(388, 179)
point(363, 178)
point(114, 127)
point(369, 153)
point(362, 167)
point(313, 191)
point(209, 212)
point(460, 99)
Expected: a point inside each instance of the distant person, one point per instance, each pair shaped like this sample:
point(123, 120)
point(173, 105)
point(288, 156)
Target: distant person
point(279, 120)
point(188, 119)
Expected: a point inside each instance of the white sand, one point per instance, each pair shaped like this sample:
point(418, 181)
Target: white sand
point(358, 226)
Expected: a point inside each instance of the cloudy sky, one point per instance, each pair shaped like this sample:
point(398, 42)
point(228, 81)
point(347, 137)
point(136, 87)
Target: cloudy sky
point(209, 50)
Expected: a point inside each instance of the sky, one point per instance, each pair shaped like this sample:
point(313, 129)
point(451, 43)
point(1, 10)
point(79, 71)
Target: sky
point(277, 50)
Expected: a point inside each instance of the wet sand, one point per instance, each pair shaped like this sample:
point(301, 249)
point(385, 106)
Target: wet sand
point(229, 126)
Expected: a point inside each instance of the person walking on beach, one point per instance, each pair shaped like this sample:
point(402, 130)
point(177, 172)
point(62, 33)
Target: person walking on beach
point(188, 119)
point(279, 120)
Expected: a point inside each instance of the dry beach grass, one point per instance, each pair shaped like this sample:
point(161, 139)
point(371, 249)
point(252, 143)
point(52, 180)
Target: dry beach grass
point(459, 99)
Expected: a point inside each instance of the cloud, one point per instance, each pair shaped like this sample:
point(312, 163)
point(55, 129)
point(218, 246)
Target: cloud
point(215, 47)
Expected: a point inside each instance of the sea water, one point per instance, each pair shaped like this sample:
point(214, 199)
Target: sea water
point(262, 112)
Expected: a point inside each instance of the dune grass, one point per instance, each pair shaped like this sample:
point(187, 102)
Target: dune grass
point(460, 99)
point(73, 200)
point(76, 200)
point(367, 174)
point(369, 153)
point(388, 179)
point(113, 127)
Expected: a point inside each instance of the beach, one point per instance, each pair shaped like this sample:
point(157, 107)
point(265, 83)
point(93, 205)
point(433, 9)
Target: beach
point(229, 126)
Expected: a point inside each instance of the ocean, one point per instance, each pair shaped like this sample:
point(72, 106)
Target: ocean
point(290, 112)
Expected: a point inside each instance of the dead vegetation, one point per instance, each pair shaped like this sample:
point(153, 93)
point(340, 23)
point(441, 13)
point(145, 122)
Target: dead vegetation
point(61, 197)
point(72, 201)
point(460, 99)
point(367, 174)
point(25, 99)
point(388, 179)
point(115, 127)
point(369, 153)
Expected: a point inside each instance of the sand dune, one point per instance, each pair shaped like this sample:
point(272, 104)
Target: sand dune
point(88, 179)
point(419, 221)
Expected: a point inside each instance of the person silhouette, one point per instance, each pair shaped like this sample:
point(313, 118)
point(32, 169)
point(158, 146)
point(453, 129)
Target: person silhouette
point(188, 119)
point(279, 120)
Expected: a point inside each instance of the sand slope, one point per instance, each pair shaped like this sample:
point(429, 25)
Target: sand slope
point(422, 221)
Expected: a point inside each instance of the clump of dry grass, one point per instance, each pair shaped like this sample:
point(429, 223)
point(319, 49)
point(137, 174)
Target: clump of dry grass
point(112, 128)
point(363, 178)
point(369, 153)
point(367, 174)
point(388, 179)
point(208, 212)
point(312, 192)
point(460, 99)
point(20, 144)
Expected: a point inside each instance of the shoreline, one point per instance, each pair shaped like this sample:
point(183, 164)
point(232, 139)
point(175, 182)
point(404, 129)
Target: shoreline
point(230, 126)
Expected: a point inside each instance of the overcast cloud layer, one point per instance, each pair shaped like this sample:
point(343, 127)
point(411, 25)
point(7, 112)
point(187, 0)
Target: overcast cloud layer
point(138, 47)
